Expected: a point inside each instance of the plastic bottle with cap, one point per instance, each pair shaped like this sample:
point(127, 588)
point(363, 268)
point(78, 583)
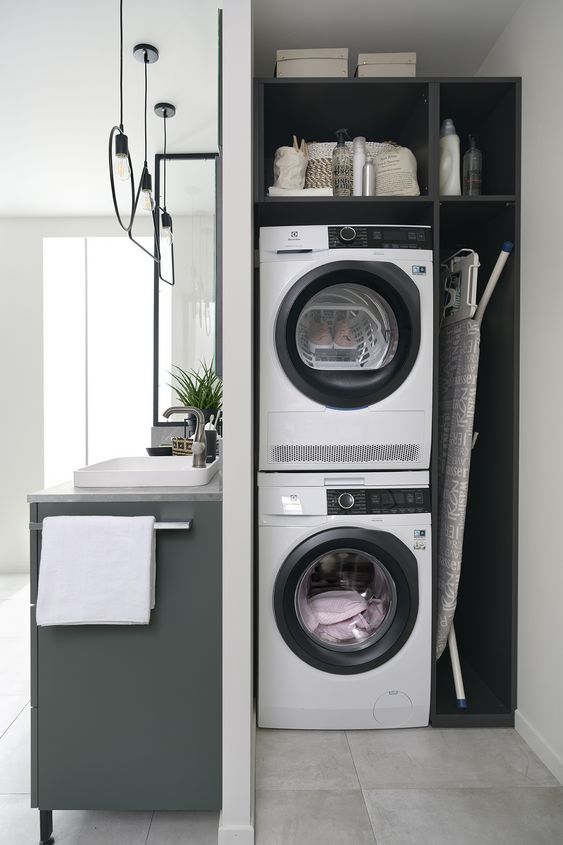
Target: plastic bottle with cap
point(450, 175)
point(358, 161)
point(341, 166)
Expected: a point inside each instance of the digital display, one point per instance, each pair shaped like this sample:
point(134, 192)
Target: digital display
point(388, 235)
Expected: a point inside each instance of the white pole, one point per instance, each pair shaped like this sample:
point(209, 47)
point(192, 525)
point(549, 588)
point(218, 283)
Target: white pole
point(461, 701)
point(507, 248)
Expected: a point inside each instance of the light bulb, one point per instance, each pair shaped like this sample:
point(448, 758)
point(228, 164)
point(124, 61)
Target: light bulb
point(122, 169)
point(146, 189)
point(121, 157)
point(148, 202)
point(166, 227)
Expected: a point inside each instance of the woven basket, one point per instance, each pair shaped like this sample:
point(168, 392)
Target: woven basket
point(319, 168)
point(181, 446)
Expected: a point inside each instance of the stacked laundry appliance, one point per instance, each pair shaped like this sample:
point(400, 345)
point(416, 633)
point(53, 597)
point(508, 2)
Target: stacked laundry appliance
point(345, 417)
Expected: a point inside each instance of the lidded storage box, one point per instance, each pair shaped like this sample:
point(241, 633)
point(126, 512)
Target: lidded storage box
point(330, 62)
point(386, 64)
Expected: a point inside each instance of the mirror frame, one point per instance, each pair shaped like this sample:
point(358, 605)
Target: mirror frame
point(159, 157)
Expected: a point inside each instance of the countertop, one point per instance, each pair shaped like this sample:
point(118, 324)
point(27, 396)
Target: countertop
point(67, 492)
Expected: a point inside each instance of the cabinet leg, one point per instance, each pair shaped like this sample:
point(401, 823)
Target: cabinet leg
point(46, 827)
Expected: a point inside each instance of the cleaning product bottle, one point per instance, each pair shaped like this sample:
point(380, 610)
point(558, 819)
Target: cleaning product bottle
point(368, 178)
point(341, 166)
point(358, 161)
point(472, 166)
point(450, 182)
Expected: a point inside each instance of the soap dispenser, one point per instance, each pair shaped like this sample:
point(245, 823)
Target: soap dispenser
point(341, 166)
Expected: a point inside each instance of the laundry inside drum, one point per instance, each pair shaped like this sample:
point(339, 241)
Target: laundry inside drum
point(346, 600)
point(347, 326)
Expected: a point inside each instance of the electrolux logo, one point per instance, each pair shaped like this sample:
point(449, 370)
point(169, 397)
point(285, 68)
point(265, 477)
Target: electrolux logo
point(294, 236)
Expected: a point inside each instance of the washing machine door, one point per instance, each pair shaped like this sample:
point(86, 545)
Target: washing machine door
point(347, 333)
point(346, 599)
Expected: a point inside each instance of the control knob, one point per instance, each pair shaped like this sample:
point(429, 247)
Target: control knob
point(346, 501)
point(347, 234)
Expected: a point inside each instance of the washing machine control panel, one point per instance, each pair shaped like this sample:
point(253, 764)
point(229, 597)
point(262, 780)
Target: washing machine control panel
point(378, 501)
point(379, 237)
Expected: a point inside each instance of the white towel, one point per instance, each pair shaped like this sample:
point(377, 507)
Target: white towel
point(96, 570)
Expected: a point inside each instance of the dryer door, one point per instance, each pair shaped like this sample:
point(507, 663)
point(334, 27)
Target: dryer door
point(346, 599)
point(348, 333)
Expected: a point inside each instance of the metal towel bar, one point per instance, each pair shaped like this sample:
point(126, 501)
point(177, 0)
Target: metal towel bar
point(158, 526)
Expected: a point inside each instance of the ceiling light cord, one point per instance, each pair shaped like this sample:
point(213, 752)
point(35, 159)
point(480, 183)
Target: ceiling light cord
point(121, 65)
point(164, 164)
point(146, 93)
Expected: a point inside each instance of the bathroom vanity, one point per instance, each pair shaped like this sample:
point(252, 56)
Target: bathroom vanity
point(129, 717)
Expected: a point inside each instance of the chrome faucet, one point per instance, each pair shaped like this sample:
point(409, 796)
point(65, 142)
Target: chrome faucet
point(199, 447)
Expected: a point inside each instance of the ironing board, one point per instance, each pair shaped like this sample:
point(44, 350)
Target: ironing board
point(457, 390)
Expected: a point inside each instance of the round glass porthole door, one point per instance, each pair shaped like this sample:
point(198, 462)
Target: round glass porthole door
point(348, 333)
point(346, 599)
point(347, 327)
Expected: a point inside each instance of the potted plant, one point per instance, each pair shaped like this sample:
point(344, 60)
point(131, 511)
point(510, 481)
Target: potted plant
point(201, 388)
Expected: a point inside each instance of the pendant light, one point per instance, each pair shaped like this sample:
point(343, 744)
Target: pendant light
point(147, 54)
point(165, 111)
point(119, 159)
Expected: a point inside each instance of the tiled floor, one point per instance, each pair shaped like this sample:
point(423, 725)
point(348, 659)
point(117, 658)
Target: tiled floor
point(417, 787)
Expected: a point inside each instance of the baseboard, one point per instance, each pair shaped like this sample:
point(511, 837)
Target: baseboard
point(235, 834)
point(539, 746)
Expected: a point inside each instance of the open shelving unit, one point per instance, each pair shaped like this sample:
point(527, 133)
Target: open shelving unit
point(410, 111)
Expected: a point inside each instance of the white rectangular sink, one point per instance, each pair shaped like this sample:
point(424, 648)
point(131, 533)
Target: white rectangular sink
point(146, 471)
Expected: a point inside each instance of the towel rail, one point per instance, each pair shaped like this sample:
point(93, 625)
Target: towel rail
point(158, 526)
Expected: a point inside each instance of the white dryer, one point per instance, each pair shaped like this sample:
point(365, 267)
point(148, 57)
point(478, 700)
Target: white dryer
point(345, 600)
point(346, 339)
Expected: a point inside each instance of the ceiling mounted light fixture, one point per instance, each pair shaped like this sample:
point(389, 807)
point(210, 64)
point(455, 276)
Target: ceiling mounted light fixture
point(119, 159)
point(148, 54)
point(164, 230)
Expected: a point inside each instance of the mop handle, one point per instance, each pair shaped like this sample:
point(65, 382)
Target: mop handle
point(507, 248)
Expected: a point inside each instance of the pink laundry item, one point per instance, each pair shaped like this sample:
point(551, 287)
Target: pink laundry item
point(337, 606)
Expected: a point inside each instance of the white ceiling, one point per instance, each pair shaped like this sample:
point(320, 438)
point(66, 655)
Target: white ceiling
point(59, 95)
point(450, 37)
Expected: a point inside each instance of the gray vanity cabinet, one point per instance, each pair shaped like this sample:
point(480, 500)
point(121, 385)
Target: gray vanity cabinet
point(129, 717)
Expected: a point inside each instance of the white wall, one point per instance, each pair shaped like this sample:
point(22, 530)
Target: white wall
point(530, 47)
point(236, 826)
point(21, 369)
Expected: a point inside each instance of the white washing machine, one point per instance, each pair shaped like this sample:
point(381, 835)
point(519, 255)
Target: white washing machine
point(345, 600)
point(346, 315)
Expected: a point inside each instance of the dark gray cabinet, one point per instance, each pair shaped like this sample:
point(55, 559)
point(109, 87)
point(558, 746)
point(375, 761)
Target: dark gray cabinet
point(129, 717)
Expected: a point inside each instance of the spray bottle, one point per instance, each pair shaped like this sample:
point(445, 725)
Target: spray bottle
point(341, 166)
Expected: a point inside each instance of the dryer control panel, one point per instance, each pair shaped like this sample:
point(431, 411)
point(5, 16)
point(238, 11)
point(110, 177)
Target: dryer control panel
point(380, 237)
point(378, 501)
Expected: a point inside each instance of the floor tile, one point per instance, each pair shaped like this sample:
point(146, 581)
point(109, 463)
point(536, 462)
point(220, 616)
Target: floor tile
point(304, 760)
point(15, 754)
point(14, 618)
point(312, 817)
point(10, 707)
point(184, 829)
point(20, 825)
point(10, 585)
point(14, 666)
point(466, 816)
point(429, 758)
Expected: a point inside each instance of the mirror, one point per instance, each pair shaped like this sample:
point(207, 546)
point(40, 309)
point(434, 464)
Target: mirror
point(187, 312)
